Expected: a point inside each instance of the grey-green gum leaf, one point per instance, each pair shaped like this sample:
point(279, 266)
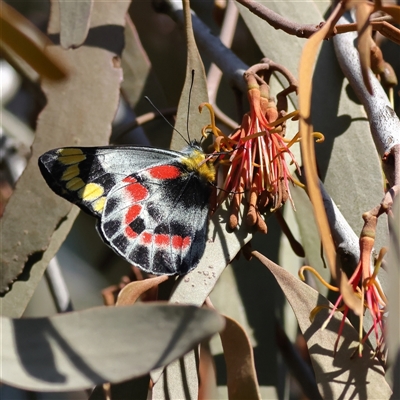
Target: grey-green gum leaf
point(179, 380)
point(339, 376)
point(384, 123)
point(106, 344)
point(188, 120)
point(34, 211)
point(14, 302)
point(74, 22)
point(393, 324)
point(195, 286)
point(139, 77)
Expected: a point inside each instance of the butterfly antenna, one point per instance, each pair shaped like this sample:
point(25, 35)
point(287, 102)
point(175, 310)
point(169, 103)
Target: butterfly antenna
point(188, 111)
point(165, 119)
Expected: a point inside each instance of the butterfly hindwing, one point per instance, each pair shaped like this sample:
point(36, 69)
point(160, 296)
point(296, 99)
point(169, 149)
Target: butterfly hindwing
point(84, 176)
point(157, 218)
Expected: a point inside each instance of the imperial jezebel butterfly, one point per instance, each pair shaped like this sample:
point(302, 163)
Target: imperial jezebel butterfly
point(152, 205)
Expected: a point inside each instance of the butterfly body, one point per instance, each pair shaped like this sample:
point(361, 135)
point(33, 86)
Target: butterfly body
point(152, 205)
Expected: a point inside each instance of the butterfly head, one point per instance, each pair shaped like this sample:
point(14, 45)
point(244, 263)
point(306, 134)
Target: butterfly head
point(196, 160)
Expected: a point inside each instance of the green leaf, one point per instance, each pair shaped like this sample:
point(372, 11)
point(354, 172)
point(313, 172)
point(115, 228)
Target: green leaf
point(107, 344)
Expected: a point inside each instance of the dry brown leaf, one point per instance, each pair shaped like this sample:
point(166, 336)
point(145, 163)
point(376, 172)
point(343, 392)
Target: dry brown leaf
point(132, 291)
point(29, 43)
point(307, 62)
point(241, 374)
point(207, 373)
point(363, 12)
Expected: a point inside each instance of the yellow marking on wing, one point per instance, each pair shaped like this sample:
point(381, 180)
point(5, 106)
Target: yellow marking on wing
point(75, 184)
point(70, 172)
point(70, 156)
point(91, 192)
point(98, 205)
point(196, 162)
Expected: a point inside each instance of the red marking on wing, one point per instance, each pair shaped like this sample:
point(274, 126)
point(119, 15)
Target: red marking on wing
point(130, 233)
point(180, 243)
point(164, 172)
point(129, 179)
point(145, 237)
point(186, 242)
point(161, 240)
point(135, 190)
point(132, 213)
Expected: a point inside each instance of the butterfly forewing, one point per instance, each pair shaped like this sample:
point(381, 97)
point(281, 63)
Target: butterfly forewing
point(84, 176)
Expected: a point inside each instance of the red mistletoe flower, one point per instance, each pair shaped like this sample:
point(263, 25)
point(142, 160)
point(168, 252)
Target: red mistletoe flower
point(362, 292)
point(256, 155)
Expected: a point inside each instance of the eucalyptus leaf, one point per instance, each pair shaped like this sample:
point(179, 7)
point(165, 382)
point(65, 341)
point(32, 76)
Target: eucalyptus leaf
point(107, 344)
point(179, 380)
point(393, 331)
point(241, 374)
point(34, 211)
point(194, 91)
point(139, 77)
point(14, 302)
point(74, 22)
point(344, 375)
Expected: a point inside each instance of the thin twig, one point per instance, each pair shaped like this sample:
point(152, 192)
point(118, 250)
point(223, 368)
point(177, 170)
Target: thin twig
point(396, 156)
point(214, 73)
point(58, 287)
point(210, 45)
point(143, 119)
point(279, 22)
point(388, 30)
point(381, 24)
point(346, 241)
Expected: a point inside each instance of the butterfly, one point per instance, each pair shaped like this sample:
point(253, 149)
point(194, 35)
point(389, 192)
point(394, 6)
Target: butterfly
point(151, 205)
